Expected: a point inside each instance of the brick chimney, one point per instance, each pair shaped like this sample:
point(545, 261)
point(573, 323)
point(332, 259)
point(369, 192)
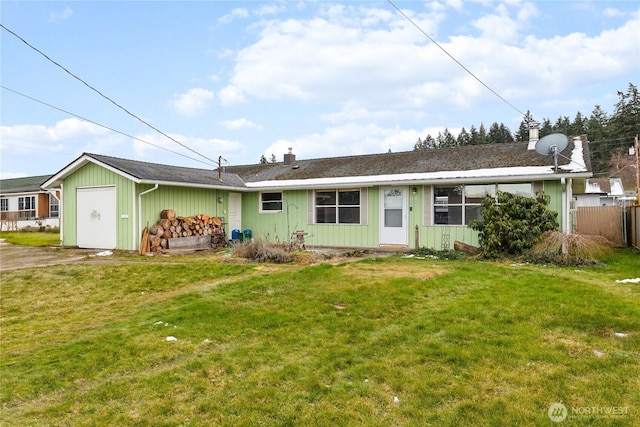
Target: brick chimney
point(289, 158)
point(533, 135)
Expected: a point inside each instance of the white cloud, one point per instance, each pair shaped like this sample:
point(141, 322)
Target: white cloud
point(498, 26)
point(239, 124)
point(231, 95)
point(42, 137)
point(193, 102)
point(61, 16)
point(371, 65)
point(612, 13)
point(67, 137)
point(210, 148)
point(351, 139)
point(269, 9)
point(456, 4)
point(239, 12)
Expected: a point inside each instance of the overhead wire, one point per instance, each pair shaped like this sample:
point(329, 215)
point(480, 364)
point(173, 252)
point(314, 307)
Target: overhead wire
point(99, 124)
point(455, 60)
point(103, 95)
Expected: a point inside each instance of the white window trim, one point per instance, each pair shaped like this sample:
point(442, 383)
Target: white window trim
point(269, 211)
point(429, 204)
point(311, 202)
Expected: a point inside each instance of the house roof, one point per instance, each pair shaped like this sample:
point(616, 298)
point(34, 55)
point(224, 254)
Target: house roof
point(29, 184)
point(609, 186)
point(499, 162)
point(468, 162)
point(150, 173)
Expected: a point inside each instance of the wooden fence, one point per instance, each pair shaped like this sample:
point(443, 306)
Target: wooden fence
point(605, 221)
point(633, 226)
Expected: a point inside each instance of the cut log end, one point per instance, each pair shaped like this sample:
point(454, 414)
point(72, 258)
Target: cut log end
point(464, 247)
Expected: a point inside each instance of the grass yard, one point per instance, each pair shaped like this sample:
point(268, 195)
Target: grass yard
point(31, 238)
point(381, 342)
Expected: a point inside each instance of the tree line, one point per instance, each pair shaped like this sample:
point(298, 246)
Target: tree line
point(609, 135)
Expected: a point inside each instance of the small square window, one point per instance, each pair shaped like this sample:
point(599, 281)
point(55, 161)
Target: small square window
point(271, 202)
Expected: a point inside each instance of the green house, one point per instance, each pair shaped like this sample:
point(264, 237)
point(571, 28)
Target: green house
point(407, 199)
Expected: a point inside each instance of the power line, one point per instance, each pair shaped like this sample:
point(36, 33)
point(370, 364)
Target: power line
point(101, 125)
point(103, 95)
point(454, 59)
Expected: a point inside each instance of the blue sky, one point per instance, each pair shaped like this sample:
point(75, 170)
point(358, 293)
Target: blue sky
point(327, 78)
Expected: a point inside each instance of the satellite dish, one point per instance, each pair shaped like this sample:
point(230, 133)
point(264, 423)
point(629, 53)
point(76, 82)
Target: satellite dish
point(551, 144)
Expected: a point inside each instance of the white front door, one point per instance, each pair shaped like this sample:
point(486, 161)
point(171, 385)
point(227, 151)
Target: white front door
point(96, 217)
point(235, 212)
point(394, 204)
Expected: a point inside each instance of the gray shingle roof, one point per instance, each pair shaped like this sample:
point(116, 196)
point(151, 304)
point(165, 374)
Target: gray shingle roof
point(29, 184)
point(468, 158)
point(448, 159)
point(158, 172)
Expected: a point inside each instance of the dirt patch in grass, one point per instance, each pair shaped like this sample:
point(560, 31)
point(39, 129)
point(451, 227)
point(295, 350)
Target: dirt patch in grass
point(420, 271)
point(14, 257)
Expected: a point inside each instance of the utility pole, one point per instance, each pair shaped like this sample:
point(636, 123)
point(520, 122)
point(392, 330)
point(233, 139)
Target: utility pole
point(636, 148)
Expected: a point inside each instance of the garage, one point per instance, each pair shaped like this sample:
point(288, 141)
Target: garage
point(96, 217)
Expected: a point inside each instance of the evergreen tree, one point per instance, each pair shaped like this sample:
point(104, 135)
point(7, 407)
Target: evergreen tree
point(429, 142)
point(579, 125)
point(464, 138)
point(562, 125)
point(499, 134)
point(505, 134)
point(597, 131)
point(546, 128)
point(263, 160)
point(273, 158)
point(475, 136)
point(493, 137)
point(445, 139)
point(625, 122)
point(522, 135)
point(482, 135)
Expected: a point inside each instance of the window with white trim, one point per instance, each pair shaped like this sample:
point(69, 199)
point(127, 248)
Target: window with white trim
point(4, 204)
point(461, 204)
point(271, 202)
point(337, 206)
point(54, 206)
point(27, 206)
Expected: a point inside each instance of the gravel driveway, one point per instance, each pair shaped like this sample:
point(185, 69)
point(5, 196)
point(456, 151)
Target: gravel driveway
point(14, 257)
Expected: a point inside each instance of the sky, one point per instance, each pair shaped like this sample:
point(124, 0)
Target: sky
point(194, 83)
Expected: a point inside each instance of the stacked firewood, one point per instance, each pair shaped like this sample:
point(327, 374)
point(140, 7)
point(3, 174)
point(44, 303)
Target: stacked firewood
point(171, 226)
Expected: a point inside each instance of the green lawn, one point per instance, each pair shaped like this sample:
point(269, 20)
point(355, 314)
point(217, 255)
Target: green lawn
point(382, 342)
point(30, 238)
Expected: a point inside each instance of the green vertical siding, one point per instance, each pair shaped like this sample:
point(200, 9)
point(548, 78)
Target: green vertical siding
point(275, 227)
point(553, 189)
point(279, 227)
point(92, 175)
point(437, 237)
point(184, 201)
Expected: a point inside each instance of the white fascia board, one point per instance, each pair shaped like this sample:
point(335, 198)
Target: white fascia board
point(191, 185)
point(510, 174)
point(56, 180)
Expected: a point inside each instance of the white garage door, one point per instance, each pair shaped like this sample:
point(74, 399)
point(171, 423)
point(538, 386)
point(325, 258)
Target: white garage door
point(96, 217)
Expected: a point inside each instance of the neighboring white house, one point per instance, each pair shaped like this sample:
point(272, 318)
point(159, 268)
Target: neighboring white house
point(23, 203)
point(601, 192)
